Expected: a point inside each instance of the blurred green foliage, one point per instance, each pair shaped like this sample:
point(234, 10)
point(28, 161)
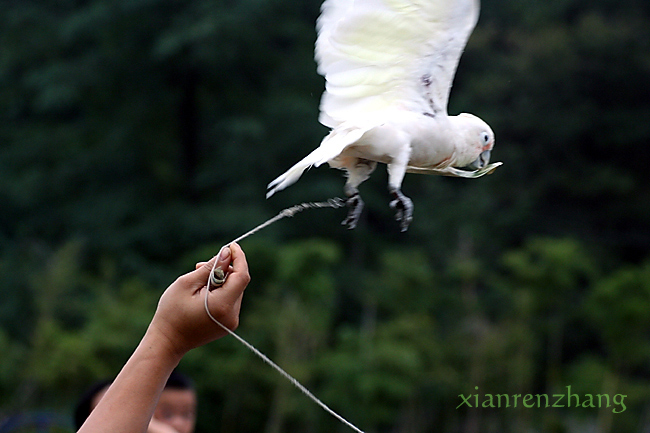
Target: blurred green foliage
point(137, 137)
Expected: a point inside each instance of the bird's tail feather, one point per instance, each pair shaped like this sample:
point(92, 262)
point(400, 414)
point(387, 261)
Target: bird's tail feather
point(317, 157)
point(331, 146)
point(288, 178)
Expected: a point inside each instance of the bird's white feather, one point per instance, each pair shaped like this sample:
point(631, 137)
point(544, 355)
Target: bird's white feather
point(389, 67)
point(387, 54)
point(331, 146)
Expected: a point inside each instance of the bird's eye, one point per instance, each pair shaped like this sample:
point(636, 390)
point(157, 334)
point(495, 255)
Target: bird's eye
point(486, 137)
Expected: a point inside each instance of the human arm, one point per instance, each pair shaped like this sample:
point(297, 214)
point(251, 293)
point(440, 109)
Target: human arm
point(179, 325)
point(157, 426)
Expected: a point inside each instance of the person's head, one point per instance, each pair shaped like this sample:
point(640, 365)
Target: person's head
point(176, 407)
point(177, 404)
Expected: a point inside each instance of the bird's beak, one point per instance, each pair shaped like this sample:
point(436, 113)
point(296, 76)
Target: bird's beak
point(482, 160)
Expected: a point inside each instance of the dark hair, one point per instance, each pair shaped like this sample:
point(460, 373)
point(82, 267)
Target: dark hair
point(83, 407)
point(176, 380)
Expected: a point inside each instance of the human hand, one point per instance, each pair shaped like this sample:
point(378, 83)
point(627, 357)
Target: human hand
point(181, 317)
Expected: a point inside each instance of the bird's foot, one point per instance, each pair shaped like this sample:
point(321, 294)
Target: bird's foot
point(355, 204)
point(404, 207)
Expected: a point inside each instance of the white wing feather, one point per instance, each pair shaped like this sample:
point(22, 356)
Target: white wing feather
point(387, 54)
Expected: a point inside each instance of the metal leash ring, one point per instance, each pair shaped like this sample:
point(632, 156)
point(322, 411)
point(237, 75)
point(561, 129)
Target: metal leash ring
point(217, 278)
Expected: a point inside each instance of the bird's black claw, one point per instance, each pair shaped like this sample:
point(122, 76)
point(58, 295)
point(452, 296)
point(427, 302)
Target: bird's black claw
point(404, 207)
point(355, 204)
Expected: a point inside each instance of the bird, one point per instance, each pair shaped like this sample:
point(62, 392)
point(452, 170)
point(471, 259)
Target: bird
point(389, 67)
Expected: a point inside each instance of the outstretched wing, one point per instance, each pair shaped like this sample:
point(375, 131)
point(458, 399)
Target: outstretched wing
point(383, 54)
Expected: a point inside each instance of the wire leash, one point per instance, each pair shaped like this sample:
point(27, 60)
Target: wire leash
point(218, 277)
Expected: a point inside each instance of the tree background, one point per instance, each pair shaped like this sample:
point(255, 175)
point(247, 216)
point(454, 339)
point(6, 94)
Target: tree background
point(138, 136)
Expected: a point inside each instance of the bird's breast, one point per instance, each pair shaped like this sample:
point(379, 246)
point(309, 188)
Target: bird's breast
point(432, 151)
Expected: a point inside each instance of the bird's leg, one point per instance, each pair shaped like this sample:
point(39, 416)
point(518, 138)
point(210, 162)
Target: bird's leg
point(355, 204)
point(359, 172)
point(404, 206)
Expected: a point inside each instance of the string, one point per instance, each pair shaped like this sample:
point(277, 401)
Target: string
point(217, 280)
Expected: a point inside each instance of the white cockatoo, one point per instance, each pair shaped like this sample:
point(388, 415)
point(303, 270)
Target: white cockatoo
point(389, 66)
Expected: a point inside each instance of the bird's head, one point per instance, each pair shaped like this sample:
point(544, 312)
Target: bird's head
point(476, 143)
